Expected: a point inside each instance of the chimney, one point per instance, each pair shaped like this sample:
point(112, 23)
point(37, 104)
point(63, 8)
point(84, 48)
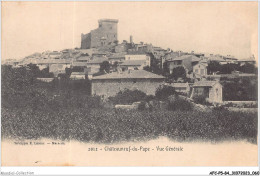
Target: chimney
point(131, 39)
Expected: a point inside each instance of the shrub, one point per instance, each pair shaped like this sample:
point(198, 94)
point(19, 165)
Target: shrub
point(200, 99)
point(142, 106)
point(219, 108)
point(149, 98)
point(163, 92)
point(128, 97)
point(180, 104)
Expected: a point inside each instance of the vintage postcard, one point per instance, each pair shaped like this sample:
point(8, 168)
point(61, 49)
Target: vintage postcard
point(129, 84)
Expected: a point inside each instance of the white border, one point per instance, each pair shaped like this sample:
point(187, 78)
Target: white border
point(69, 170)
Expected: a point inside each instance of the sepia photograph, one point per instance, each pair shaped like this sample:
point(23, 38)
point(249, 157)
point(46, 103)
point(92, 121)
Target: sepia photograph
point(129, 83)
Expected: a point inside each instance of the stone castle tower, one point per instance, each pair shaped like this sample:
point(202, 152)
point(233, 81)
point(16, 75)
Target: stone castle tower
point(105, 34)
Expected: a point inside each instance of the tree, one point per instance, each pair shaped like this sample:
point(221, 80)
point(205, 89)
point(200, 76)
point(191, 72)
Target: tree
point(147, 68)
point(228, 68)
point(154, 65)
point(213, 66)
point(178, 72)
point(128, 97)
point(165, 70)
point(104, 67)
point(163, 92)
point(248, 68)
point(115, 65)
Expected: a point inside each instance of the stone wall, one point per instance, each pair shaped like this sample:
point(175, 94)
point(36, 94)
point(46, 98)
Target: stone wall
point(112, 87)
point(105, 34)
point(215, 94)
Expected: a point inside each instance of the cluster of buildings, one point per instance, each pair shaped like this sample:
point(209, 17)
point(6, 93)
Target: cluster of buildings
point(127, 61)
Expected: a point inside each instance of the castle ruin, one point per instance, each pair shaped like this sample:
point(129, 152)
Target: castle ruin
point(105, 34)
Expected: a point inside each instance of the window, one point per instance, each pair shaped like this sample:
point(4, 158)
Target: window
point(202, 71)
point(196, 70)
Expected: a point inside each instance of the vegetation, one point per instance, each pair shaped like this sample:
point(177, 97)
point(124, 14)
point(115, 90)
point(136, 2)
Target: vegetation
point(180, 104)
point(64, 109)
point(178, 72)
point(106, 126)
point(163, 92)
point(215, 66)
point(200, 99)
point(128, 97)
point(104, 67)
point(244, 89)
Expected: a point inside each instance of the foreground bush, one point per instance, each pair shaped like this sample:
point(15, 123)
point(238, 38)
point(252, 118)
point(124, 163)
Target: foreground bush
point(177, 103)
point(107, 126)
point(163, 92)
point(200, 99)
point(128, 97)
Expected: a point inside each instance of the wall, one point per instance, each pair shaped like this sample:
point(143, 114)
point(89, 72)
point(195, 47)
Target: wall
point(94, 68)
point(107, 30)
point(215, 94)
point(112, 87)
point(139, 57)
point(199, 67)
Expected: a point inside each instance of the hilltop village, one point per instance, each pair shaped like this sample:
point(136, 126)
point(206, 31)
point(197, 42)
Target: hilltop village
point(112, 66)
point(108, 91)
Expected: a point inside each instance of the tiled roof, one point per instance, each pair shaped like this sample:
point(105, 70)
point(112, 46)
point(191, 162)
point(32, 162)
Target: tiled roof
point(133, 63)
point(98, 60)
point(53, 61)
point(56, 67)
point(79, 64)
point(204, 83)
point(193, 58)
point(117, 55)
point(202, 63)
point(180, 85)
point(77, 73)
point(246, 60)
point(131, 74)
point(216, 58)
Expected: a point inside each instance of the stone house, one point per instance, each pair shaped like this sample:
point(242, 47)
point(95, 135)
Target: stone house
point(117, 57)
point(143, 57)
point(200, 70)
point(94, 64)
point(55, 55)
point(110, 84)
point(186, 61)
point(57, 69)
point(211, 90)
point(181, 87)
point(133, 64)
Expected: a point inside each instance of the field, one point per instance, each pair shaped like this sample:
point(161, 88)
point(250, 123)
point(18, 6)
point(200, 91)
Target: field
point(108, 126)
point(64, 109)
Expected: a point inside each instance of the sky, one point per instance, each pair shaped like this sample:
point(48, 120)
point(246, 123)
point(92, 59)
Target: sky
point(208, 27)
